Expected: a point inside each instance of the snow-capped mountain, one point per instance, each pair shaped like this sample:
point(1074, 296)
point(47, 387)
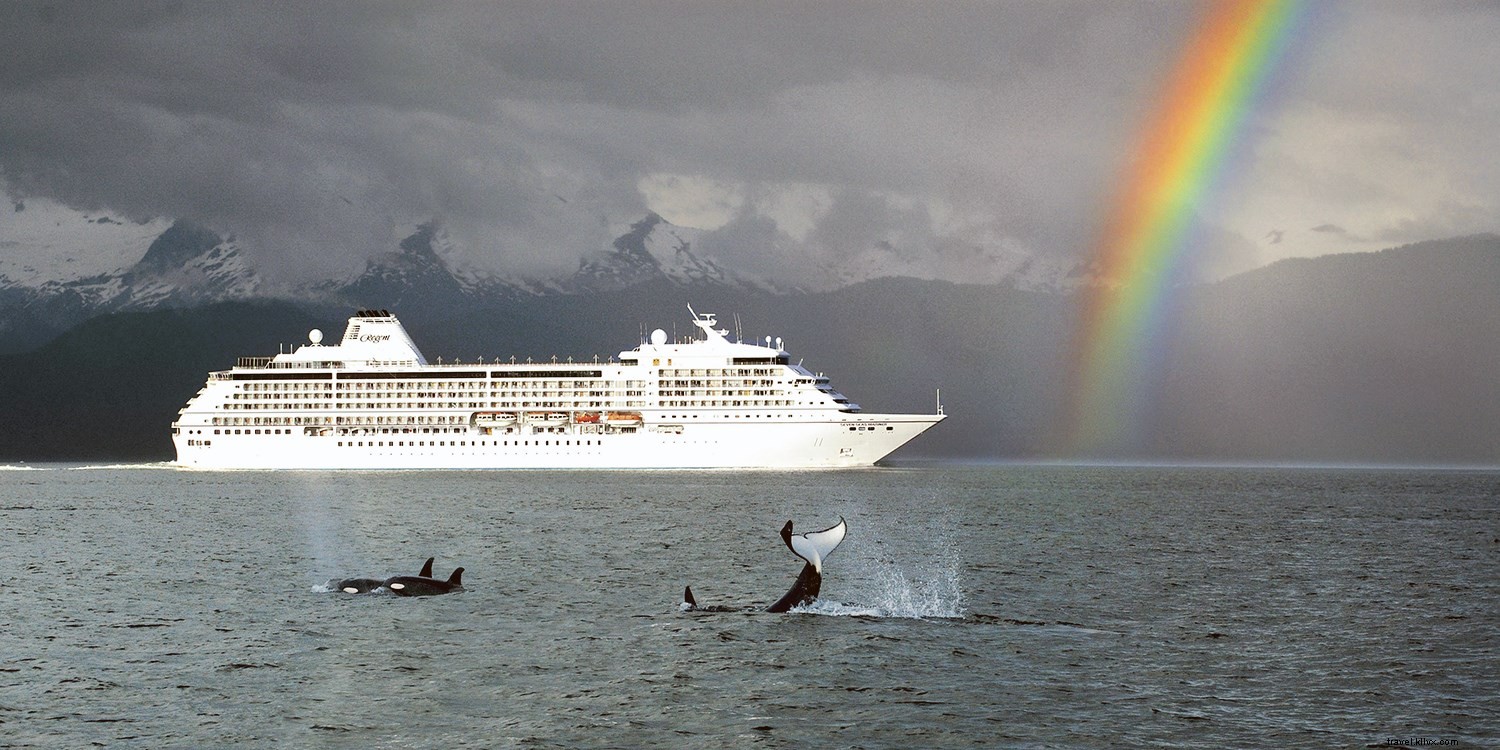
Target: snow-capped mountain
point(42, 240)
point(655, 249)
point(187, 265)
point(412, 273)
point(184, 265)
point(417, 275)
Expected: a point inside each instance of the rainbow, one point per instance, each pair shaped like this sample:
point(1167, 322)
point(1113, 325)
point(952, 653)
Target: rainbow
point(1198, 125)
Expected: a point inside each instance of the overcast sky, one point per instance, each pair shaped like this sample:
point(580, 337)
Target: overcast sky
point(959, 137)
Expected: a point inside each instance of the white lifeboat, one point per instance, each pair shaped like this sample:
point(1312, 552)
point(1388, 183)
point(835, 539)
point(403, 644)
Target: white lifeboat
point(493, 418)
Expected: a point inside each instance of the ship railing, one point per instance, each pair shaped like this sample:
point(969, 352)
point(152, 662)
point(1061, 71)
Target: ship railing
point(327, 365)
point(268, 363)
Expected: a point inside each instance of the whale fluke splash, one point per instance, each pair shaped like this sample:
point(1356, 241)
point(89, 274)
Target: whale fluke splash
point(813, 547)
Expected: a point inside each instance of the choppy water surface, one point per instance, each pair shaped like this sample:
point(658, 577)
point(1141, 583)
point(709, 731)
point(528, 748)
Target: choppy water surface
point(969, 606)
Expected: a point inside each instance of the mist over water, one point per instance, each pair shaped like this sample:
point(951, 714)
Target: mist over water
point(968, 606)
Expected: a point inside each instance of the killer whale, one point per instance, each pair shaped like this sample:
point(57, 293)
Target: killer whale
point(813, 547)
point(366, 585)
point(689, 604)
point(425, 585)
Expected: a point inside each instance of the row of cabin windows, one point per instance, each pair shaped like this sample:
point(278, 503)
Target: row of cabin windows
point(460, 389)
point(514, 405)
point(726, 400)
point(443, 387)
point(701, 372)
point(321, 400)
point(330, 421)
point(465, 443)
point(410, 422)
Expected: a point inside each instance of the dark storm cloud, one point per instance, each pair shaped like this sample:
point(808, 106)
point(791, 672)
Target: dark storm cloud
point(316, 131)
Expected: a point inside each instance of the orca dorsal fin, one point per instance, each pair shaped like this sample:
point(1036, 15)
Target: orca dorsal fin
point(427, 568)
point(814, 546)
point(687, 597)
point(457, 578)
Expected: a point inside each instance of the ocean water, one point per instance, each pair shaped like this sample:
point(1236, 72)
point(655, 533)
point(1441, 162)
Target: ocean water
point(969, 606)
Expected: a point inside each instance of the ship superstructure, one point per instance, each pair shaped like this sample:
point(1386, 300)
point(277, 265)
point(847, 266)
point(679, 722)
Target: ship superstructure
point(372, 401)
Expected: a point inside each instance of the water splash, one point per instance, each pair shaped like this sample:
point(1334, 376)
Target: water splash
point(934, 592)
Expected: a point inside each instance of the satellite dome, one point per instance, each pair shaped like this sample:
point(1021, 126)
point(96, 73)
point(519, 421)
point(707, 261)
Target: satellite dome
point(658, 337)
point(315, 336)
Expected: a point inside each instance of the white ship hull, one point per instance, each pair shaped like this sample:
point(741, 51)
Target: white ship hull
point(777, 445)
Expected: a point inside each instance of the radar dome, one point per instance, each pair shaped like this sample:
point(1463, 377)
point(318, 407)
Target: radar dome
point(658, 337)
point(315, 336)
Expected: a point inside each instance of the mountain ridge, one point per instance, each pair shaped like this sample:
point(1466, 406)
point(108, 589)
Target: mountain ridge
point(1379, 358)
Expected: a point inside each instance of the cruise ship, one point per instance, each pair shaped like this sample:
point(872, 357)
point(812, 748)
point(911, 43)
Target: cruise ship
point(372, 401)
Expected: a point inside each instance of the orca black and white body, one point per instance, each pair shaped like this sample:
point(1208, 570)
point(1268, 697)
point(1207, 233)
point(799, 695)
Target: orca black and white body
point(366, 585)
point(813, 547)
point(359, 585)
point(425, 585)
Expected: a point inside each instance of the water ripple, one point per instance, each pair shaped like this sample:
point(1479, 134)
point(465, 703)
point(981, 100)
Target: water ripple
point(969, 606)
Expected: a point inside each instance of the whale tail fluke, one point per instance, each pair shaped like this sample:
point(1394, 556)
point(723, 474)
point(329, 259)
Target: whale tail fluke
point(427, 568)
point(814, 546)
